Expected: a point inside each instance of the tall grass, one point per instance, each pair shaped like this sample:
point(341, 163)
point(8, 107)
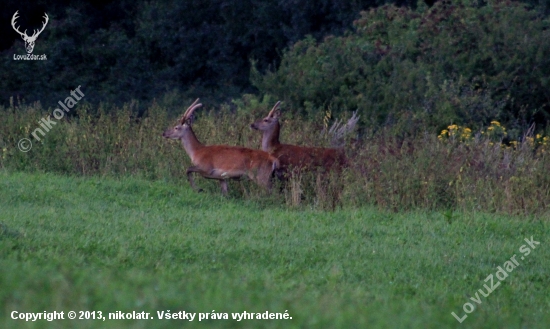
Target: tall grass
point(396, 173)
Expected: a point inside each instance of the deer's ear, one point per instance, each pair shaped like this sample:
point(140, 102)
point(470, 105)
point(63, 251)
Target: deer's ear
point(189, 121)
point(276, 114)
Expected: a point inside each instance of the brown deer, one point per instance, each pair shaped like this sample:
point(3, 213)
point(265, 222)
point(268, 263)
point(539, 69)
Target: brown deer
point(221, 162)
point(299, 158)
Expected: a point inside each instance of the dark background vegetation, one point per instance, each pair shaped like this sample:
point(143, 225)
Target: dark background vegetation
point(124, 50)
point(461, 61)
point(457, 62)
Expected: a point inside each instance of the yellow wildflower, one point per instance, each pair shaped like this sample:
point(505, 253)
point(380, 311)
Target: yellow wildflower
point(453, 127)
point(495, 123)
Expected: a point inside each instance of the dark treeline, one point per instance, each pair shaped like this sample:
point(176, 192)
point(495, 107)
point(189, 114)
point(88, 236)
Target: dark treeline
point(459, 61)
point(124, 50)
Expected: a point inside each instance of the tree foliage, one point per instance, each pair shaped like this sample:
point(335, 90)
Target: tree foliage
point(457, 61)
point(123, 50)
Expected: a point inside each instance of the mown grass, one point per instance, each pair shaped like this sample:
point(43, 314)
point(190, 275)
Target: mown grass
point(103, 244)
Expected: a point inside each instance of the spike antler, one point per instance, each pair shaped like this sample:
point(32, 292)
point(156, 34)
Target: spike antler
point(189, 112)
point(274, 108)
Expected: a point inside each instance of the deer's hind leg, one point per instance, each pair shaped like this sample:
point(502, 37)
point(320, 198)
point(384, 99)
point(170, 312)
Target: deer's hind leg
point(223, 185)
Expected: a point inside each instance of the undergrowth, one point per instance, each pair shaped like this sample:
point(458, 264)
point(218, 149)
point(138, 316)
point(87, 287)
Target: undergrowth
point(424, 170)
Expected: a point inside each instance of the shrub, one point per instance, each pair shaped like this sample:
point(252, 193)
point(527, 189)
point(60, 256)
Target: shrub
point(420, 69)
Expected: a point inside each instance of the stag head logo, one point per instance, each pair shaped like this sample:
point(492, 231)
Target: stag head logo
point(29, 40)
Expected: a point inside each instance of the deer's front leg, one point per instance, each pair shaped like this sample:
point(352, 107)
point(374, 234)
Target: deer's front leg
point(191, 179)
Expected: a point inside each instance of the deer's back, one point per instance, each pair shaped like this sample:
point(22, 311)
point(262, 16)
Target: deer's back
point(309, 157)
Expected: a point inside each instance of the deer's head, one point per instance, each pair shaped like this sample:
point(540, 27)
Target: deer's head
point(184, 124)
point(269, 121)
point(29, 40)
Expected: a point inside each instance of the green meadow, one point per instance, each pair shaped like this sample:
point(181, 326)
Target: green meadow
point(440, 219)
point(106, 245)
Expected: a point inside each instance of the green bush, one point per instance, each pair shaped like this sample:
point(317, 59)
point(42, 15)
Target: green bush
point(420, 69)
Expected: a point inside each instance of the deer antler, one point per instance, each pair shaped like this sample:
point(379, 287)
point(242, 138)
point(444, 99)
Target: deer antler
point(274, 108)
point(16, 28)
point(37, 33)
point(189, 112)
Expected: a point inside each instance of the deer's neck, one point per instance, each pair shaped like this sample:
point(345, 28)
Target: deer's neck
point(270, 138)
point(191, 144)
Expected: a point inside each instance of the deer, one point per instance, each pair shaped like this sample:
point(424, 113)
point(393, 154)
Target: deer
point(29, 40)
point(221, 162)
point(293, 158)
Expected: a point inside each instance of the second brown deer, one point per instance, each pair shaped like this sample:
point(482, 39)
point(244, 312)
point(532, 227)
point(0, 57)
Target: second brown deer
point(221, 162)
point(295, 158)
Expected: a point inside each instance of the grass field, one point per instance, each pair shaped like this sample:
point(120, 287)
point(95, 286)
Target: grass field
point(101, 244)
